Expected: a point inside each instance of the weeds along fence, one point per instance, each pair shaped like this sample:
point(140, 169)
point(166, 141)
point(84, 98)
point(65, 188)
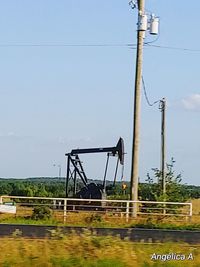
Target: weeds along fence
point(63, 208)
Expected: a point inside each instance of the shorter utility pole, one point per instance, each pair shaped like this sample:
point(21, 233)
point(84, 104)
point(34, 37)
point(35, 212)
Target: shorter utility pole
point(59, 172)
point(163, 144)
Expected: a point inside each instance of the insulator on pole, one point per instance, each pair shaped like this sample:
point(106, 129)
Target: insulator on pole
point(142, 22)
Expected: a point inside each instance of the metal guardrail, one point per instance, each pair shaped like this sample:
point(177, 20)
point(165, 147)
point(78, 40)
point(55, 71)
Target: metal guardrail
point(121, 208)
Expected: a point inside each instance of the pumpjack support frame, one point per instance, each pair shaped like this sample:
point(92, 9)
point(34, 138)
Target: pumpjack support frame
point(75, 170)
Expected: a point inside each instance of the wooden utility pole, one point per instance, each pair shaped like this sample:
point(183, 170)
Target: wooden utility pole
point(163, 149)
point(136, 120)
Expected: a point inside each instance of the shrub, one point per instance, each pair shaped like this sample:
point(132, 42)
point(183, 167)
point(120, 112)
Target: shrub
point(93, 218)
point(41, 213)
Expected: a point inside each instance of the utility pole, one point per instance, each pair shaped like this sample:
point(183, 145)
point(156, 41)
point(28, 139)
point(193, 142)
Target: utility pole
point(143, 25)
point(137, 103)
point(163, 143)
point(59, 170)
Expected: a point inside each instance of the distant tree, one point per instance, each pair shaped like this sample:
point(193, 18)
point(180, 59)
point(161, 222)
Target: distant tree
point(5, 188)
point(193, 191)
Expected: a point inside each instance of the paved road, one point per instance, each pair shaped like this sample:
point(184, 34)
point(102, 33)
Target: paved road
point(134, 234)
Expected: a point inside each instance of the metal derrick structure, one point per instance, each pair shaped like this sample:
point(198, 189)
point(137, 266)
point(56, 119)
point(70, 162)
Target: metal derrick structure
point(75, 171)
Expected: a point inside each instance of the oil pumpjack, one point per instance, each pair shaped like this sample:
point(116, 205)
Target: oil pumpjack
point(75, 171)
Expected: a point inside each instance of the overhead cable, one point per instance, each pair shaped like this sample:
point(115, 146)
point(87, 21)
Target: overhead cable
point(131, 46)
point(65, 45)
point(172, 47)
point(145, 94)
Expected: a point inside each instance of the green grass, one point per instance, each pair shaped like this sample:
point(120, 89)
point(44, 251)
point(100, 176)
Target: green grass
point(78, 262)
point(89, 250)
point(71, 262)
point(167, 226)
point(103, 223)
point(22, 220)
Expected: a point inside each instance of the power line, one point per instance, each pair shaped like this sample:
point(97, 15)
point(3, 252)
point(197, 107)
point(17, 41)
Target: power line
point(153, 41)
point(132, 46)
point(66, 45)
point(145, 94)
point(173, 48)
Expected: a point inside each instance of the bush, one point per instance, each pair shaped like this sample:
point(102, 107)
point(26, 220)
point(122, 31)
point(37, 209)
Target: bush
point(93, 218)
point(41, 213)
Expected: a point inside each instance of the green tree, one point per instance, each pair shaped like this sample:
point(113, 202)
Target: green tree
point(175, 191)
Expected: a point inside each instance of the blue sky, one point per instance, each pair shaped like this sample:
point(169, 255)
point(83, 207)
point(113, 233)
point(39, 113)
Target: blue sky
point(54, 99)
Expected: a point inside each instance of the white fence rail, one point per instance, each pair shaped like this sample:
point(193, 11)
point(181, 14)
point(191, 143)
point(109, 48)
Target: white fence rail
point(62, 207)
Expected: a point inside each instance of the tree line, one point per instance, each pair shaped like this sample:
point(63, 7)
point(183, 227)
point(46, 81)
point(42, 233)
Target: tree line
point(150, 190)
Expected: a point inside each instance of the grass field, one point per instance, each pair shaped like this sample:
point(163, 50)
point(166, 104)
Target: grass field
point(90, 251)
point(23, 216)
point(93, 251)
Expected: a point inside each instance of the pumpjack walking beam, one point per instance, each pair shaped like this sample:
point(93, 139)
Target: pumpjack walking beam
point(118, 149)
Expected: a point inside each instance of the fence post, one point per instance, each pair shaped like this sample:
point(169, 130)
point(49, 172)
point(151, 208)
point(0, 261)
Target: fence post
point(127, 211)
point(136, 206)
point(164, 209)
point(190, 209)
point(1, 200)
point(54, 204)
point(65, 210)
point(190, 212)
